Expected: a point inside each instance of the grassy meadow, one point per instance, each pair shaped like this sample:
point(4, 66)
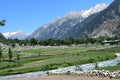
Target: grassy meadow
point(47, 58)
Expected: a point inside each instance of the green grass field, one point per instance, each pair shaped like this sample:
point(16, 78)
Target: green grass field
point(54, 57)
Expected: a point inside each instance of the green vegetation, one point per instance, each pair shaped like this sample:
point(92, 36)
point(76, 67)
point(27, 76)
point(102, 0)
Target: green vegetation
point(33, 42)
point(2, 23)
point(67, 41)
point(47, 58)
point(0, 54)
point(18, 58)
point(10, 55)
point(5, 65)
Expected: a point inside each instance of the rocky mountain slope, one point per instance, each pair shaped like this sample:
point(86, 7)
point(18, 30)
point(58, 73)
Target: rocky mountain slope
point(65, 26)
point(102, 24)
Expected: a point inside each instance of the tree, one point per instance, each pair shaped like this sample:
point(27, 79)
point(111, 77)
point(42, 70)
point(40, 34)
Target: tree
point(33, 41)
point(18, 59)
point(0, 54)
point(2, 23)
point(10, 55)
point(76, 41)
point(68, 41)
point(71, 39)
point(13, 45)
point(51, 42)
point(44, 42)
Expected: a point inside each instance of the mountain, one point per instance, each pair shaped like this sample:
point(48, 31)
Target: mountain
point(103, 24)
point(64, 27)
point(2, 37)
point(12, 35)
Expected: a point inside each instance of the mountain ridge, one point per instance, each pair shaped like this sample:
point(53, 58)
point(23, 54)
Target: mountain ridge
point(103, 24)
point(18, 34)
point(63, 27)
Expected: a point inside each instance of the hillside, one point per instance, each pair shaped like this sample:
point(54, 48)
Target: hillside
point(102, 24)
point(64, 27)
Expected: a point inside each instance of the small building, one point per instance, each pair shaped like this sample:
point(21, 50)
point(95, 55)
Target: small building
point(110, 42)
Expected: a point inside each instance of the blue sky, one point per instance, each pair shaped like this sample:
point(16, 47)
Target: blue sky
point(28, 15)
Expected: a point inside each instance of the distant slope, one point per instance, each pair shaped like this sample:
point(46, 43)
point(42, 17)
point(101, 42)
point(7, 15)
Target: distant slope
point(2, 37)
point(19, 35)
point(65, 26)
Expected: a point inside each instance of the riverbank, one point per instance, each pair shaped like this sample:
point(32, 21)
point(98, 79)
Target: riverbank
point(69, 72)
point(80, 65)
point(63, 77)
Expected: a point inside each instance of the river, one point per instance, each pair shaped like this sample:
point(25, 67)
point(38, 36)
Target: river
point(83, 67)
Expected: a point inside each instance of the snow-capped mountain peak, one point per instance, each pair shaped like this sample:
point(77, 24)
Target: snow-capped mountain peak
point(63, 27)
point(81, 14)
point(93, 10)
point(18, 34)
point(73, 14)
point(8, 34)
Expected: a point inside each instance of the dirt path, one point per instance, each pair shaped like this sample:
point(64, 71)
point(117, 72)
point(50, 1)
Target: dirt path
point(63, 77)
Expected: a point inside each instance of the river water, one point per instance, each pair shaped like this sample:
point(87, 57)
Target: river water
point(83, 67)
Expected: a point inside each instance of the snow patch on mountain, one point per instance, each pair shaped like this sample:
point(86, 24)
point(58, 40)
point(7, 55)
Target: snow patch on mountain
point(18, 34)
point(96, 9)
point(86, 13)
point(61, 27)
point(82, 13)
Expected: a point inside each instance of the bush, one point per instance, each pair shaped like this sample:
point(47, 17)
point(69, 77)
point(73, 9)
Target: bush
point(91, 60)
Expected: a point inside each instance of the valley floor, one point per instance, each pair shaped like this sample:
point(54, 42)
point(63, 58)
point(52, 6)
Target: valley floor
point(42, 58)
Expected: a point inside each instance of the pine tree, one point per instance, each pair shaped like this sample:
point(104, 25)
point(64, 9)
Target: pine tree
point(18, 59)
point(0, 54)
point(10, 55)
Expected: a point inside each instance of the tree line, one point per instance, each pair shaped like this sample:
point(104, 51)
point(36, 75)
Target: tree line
point(57, 42)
